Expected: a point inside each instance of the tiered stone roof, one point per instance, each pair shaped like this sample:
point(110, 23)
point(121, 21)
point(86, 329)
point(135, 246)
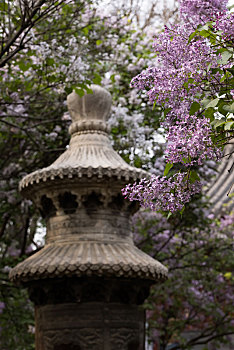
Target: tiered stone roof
point(88, 231)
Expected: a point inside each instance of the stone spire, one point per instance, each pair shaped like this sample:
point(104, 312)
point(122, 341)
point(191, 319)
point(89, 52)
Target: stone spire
point(88, 240)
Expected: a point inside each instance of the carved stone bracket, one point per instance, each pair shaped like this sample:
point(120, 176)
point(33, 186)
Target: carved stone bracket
point(89, 289)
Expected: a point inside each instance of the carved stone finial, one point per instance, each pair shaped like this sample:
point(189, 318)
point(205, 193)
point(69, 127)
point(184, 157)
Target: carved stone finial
point(91, 106)
point(91, 111)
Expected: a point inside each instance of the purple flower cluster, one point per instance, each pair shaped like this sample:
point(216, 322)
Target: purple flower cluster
point(186, 68)
point(189, 142)
point(162, 193)
point(227, 220)
point(225, 22)
point(202, 9)
point(191, 253)
point(180, 67)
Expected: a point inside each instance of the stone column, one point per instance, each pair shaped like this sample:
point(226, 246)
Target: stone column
point(89, 281)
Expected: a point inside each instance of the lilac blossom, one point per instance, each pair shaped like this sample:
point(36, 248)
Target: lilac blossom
point(189, 142)
point(227, 220)
point(197, 295)
point(179, 66)
point(225, 22)
point(186, 68)
point(162, 193)
point(202, 9)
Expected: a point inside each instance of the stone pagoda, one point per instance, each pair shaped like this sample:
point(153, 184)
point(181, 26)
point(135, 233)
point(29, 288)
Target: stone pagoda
point(89, 280)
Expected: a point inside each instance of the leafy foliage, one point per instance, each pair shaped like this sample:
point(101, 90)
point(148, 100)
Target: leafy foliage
point(192, 80)
point(65, 45)
point(194, 306)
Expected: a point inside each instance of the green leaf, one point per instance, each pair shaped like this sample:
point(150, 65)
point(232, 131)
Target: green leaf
point(25, 65)
point(231, 70)
point(228, 125)
point(218, 122)
point(205, 102)
point(228, 275)
point(79, 92)
point(167, 168)
point(85, 31)
point(213, 103)
point(190, 80)
point(154, 105)
point(185, 160)
point(221, 110)
point(166, 110)
point(229, 108)
point(68, 90)
point(208, 67)
point(191, 36)
point(51, 78)
point(98, 42)
point(3, 6)
point(88, 90)
point(204, 33)
point(169, 215)
point(225, 56)
point(112, 78)
point(49, 61)
point(97, 80)
point(212, 39)
point(194, 176)
point(182, 210)
point(223, 78)
point(205, 27)
point(209, 113)
point(194, 108)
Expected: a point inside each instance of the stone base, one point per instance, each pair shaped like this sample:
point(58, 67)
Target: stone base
point(89, 326)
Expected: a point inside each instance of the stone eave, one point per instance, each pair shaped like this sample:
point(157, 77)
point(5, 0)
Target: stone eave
point(89, 258)
point(47, 174)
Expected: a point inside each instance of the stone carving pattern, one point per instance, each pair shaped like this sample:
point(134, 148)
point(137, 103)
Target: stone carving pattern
point(121, 337)
point(86, 338)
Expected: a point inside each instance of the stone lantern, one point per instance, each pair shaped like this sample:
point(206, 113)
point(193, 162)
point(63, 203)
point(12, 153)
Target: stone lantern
point(89, 280)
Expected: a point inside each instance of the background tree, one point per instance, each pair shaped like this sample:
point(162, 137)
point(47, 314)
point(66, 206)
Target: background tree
point(192, 79)
point(195, 305)
point(68, 45)
point(52, 49)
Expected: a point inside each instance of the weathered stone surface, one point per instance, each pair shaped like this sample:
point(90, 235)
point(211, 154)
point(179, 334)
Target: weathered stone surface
point(100, 326)
point(79, 195)
point(89, 259)
point(89, 279)
point(90, 152)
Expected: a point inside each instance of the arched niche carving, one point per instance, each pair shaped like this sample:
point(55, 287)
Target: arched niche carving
point(67, 201)
point(47, 207)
